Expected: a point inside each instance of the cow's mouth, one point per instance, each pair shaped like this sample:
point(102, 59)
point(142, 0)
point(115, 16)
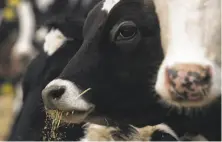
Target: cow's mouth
point(72, 116)
point(191, 100)
point(189, 97)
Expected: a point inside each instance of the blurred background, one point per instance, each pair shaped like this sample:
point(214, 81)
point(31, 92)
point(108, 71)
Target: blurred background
point(20, 41)
point(8, 67)
point(7, 89)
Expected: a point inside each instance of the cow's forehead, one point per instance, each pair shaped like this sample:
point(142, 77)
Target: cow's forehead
point(98, 16)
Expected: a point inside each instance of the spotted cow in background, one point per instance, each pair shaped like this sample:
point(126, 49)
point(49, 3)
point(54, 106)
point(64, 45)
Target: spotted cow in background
point(29, 38)
point(62, 41)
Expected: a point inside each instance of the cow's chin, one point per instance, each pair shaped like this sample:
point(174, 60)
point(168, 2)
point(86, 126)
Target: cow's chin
point(86, 118)
point(187, 105)
point(77, 117)
point(74, 116)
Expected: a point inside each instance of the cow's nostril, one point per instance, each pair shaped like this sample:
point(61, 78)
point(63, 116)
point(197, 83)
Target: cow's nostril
point(208, 75)
point(56, 93)
point(172, 73)
point(207, 78)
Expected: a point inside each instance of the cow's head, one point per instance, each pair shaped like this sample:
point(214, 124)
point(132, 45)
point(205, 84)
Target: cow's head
point(120, 54)
point(189, 75)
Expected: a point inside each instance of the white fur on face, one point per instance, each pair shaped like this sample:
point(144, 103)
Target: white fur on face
point(23, 45)
point(44, 4)
point(109, 4)
point(190, 31)
point(53, 41)
point(70, 100)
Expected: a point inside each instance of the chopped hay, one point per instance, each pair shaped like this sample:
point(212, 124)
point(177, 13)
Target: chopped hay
point(53, 121)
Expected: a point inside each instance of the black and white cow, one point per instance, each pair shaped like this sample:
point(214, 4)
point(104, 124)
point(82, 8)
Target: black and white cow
point(45, 67)
point(116, 64)
point(62, 41)
point(118, 59)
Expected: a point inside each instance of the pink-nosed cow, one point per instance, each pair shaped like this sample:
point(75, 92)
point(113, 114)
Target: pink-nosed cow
point(190, 74)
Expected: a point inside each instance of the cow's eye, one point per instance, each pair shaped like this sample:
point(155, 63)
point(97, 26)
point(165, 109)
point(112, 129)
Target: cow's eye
point(126, 31)
point(125, 35)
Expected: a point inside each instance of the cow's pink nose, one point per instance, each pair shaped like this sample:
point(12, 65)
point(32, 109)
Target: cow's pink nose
point(189, 82)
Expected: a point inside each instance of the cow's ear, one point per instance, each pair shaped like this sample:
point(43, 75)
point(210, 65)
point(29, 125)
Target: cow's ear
point(54, 40)
point(93, 20)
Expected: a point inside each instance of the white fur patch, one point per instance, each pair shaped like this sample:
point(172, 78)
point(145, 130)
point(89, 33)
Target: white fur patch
point(163, 127)
point(26, 30)
point(109, 4)
point(185, 45)
point(53, 41)
point(44, 4)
